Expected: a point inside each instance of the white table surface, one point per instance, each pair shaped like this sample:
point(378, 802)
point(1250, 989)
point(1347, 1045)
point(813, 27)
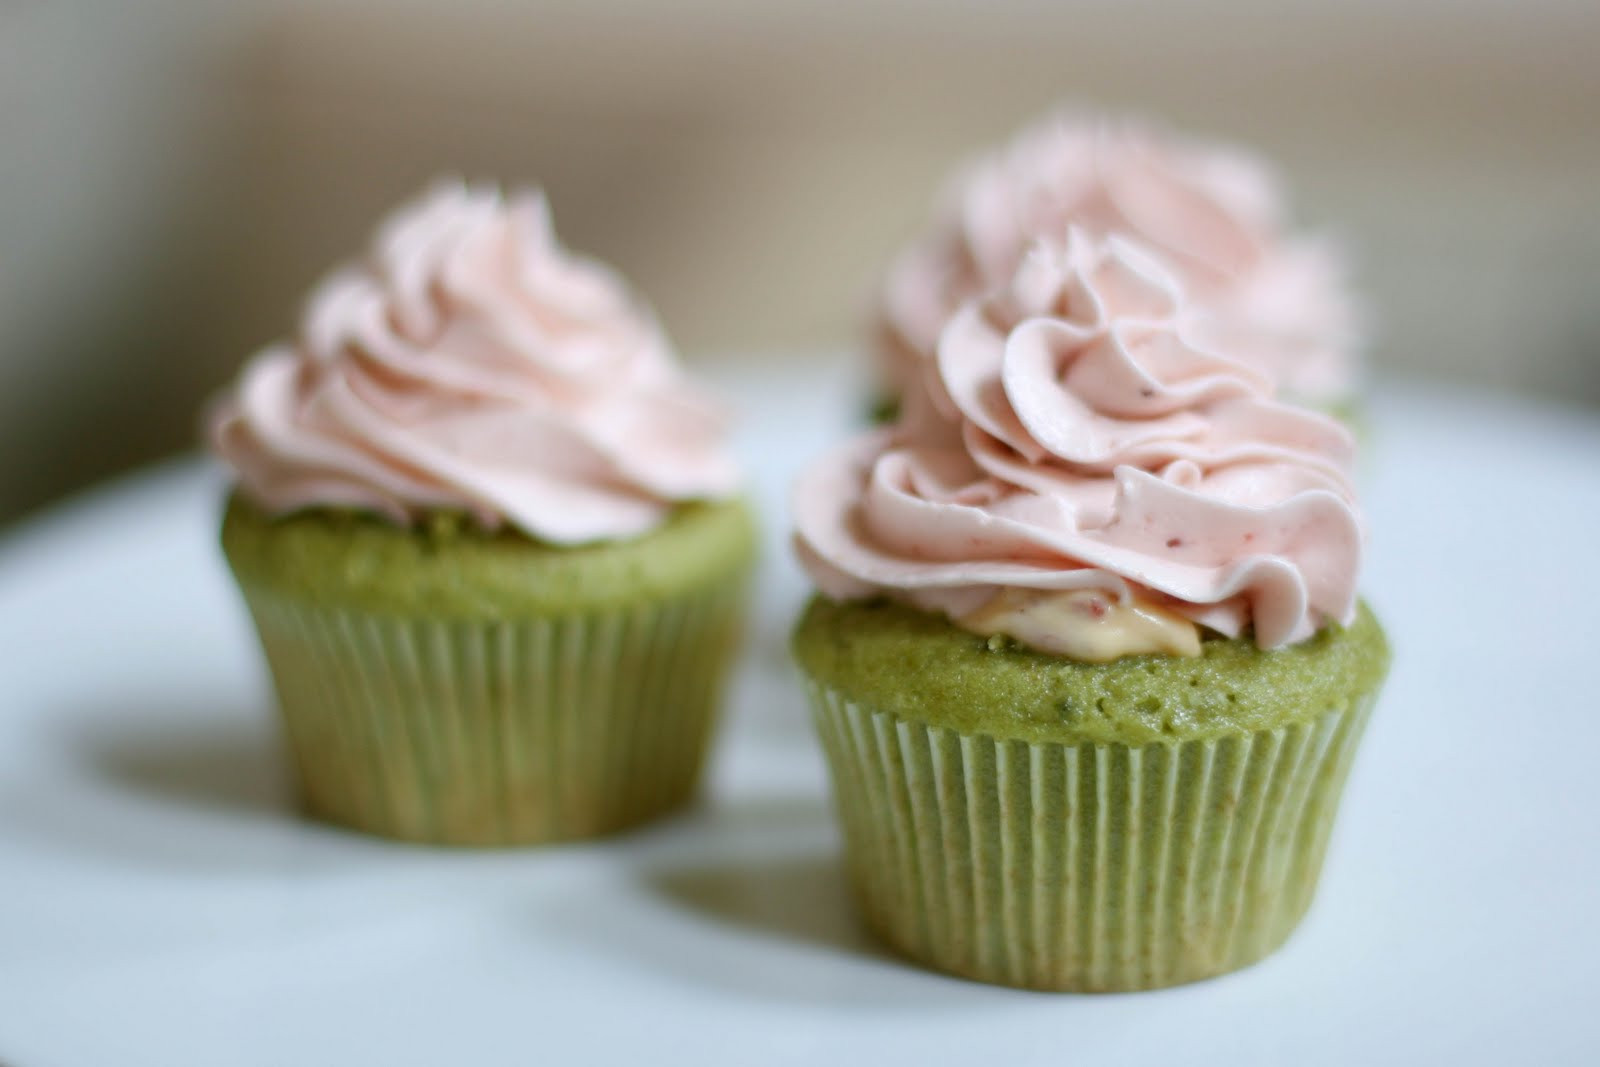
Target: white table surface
point(161, 904)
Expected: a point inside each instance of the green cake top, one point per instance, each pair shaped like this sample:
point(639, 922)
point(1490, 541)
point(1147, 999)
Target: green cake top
point(920, 666)
point(447, 565)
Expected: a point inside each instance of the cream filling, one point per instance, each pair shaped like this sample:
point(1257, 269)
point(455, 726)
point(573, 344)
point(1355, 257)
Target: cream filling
point(1084, 624)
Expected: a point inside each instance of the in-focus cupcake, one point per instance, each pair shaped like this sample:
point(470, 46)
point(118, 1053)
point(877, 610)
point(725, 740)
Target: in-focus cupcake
point(491, 537)
point(1088, 661)
point(1271, 297)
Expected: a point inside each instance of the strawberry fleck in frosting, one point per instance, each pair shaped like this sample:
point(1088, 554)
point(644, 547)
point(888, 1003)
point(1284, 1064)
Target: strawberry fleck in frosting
point(472, 363)
point(1079, 469)
point(1272, 299)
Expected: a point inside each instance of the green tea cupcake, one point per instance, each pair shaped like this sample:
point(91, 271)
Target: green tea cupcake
point(490, 537)
point(1087, 662)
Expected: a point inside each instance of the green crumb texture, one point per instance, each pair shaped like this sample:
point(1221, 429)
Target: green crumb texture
point(884, 409)
point(446, 566)
point(918, 666)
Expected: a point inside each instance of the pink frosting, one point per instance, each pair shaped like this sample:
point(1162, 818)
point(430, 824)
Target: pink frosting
point(1273, 300)
point(470, 362)
point(1073, 432)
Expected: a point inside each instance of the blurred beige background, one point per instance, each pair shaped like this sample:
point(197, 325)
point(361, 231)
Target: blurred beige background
point(177, 172)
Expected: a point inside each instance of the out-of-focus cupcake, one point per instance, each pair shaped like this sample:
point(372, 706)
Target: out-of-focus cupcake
point(490, 536)
point(1272, 297)
point(1088, 661)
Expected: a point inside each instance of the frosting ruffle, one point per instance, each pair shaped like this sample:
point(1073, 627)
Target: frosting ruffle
point(470, 362)
point(1273, 299)
point(1076, 431)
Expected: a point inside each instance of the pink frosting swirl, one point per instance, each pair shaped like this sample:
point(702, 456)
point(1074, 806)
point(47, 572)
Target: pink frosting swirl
point(472, 363)
point(1272, 300)
point(1073, 433)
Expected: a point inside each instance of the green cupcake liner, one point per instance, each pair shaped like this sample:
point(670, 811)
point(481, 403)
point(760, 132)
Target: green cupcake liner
point(1089, 867)
point(498, 732)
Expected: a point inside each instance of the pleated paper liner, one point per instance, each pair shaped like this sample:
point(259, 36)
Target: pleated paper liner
point(1091, 867)
point(465, 732)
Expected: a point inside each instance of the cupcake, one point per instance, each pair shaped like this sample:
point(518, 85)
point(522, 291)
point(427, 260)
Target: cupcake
point(1270, 297)
point(1087, 661)
point(490, 536)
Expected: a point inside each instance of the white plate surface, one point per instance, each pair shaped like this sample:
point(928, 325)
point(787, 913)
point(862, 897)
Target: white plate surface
point(160, 903)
